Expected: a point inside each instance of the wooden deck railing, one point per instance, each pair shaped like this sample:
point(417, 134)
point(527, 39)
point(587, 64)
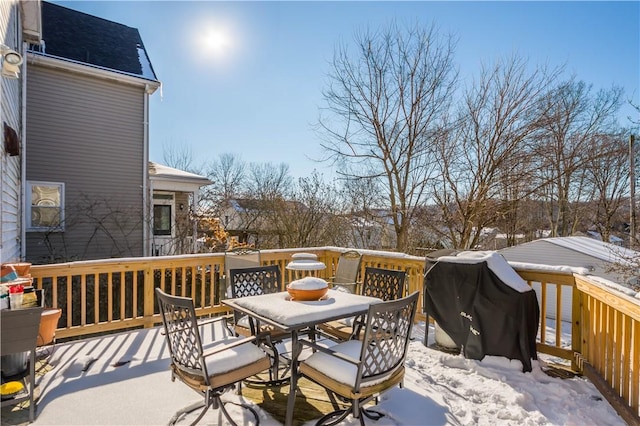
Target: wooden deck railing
point(118, 294)
point(609, 349)
point(604, 335)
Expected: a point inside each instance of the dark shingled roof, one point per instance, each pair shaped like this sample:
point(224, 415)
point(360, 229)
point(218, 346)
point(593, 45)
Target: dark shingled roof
point(85, 38)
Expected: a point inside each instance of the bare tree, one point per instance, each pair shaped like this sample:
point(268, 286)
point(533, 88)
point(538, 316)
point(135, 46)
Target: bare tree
point(484, 158)
point(268, 186)
point(267, 180)
point(608, 176)
point(573, 115)
point(229, 176)
point(310, 217)
point(384, 103)
point(180, 156)
point(362, 198)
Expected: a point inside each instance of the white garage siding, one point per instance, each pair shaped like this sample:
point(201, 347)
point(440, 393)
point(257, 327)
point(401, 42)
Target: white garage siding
point(576, 252)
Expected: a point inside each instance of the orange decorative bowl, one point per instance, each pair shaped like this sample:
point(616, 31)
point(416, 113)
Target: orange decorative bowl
point(306, 295)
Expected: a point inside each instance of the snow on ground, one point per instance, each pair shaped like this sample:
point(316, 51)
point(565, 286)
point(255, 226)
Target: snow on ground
point(89, 385)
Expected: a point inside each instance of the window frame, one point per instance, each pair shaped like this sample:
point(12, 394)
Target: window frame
point(164, 199)
point(29, 227)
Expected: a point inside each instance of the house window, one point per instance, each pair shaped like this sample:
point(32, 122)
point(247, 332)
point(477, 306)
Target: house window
point(161, 219)
point(45, 206)
point(163, 213)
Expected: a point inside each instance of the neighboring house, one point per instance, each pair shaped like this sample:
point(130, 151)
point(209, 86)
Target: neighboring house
point(600, 259)
point(247, 220)
point(494, 239)
point(251, 221)
point(175, 196)
point(19, 24)
point(365, 233)
point(372, 230)
point(617, 241)
point(87, 179)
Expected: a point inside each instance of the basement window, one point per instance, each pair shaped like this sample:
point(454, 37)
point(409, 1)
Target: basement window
point(45, 206)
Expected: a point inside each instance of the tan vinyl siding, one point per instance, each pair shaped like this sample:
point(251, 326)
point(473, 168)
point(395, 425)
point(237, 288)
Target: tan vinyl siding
point(87, 133)
point(10, 167)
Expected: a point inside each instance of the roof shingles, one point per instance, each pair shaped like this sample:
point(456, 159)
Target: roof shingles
point(85, 38)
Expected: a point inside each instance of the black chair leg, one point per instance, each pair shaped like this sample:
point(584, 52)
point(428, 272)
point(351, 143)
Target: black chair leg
point(188, 409)
point(334, 418)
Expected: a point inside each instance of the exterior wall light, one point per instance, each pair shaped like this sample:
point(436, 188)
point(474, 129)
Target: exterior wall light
point(11, 61)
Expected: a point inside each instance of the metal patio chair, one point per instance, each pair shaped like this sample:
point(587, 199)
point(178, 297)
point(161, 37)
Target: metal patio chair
point(252, 282)
point(385, 284)
point(358, 371)
point(209, 368)
point(347, 271)
point(241, 257)
point(18, 335)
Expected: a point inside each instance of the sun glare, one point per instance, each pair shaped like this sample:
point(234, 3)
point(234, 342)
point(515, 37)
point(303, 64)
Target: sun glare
point(218, 42)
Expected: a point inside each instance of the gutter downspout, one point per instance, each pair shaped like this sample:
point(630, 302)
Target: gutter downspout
point(145, 178)
point(23, 160)
point(194, 206)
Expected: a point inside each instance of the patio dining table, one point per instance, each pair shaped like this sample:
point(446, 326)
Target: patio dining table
point(278, 310)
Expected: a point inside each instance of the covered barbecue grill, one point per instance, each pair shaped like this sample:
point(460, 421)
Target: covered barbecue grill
point(483, 305)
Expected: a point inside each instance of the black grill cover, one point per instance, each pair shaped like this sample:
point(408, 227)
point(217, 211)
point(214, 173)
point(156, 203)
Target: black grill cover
point(481, 314)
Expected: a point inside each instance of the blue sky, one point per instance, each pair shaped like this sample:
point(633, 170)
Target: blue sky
point(258, 93)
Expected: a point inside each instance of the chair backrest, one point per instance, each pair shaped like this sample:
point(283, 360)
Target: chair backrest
point(386, 337)
point(182, 334)
point(385, 284)
point(348, 267)
point(243, 257)
point(254, 281)
point(19, 330)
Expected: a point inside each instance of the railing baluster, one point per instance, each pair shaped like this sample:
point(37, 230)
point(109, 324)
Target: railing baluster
point(149, 296)
point(96, 298)
point(83, 300)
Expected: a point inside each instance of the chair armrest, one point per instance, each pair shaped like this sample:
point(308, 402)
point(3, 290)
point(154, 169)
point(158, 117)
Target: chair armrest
point(331, 352)
point(355, 284)
point(224, 319)
point(228, 346)
point(212, 320)
point(200, 323)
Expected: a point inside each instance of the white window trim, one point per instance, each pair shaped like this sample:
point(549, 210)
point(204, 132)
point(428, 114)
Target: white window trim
point(28, 226)
point(164, 202)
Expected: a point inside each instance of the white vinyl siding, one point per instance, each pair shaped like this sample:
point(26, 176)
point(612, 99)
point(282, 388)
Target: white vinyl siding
point(10, 166)
point(546, 253)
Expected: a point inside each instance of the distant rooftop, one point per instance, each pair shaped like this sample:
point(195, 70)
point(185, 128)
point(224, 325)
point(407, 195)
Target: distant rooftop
point(160, 171)
point(595, 248)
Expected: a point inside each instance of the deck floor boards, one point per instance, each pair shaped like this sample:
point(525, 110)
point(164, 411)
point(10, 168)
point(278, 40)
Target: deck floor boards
point(312, 401)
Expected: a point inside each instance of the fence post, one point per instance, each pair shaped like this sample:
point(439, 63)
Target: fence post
point(576, 326)
point(149, 297)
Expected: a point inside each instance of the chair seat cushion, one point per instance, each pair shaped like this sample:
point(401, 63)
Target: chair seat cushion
point(233, 358)
point(347, 321)
point(339, 370)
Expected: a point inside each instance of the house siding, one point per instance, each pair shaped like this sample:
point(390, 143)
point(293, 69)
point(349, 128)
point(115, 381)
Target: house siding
point(545, 253)
point(88, 133)
point(10, 166)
